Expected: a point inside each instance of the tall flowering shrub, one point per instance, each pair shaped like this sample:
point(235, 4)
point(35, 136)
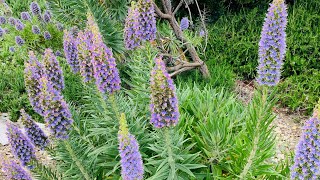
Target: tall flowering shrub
point(57, 114)
point(13, 171)
point(53, 70)
point(83, 43)
point(131, 37)
point(272, 45)
point(34, 132)
point(131, 160)
point(164, 102)
point(147, 21)
point(70, 50)
point(34, 70)
point(21, 146)
point(307, 158)
point(104, 64)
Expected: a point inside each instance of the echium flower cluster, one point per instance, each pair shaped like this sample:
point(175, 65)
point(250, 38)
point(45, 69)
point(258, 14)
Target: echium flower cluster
point(3, 20)
point(84, 41)
point(164, 102)
point(307, 158)
point(34, 70)
point(104, 64)
point(19, 41)
point(184, 24)
point(57, 114)
point(25, 16)
point(47, 35)
point(272, 45)
point(35, 9)
point(13, 171)
point(19, 25)
point(1, 32)
point(131, 38)
point(21, 146)
point(131, 161)
point(35, 29)
point(71, 51)
point(12, 21)
point(147, 21)
point(53, 70)
point(34, 132)
point(46, 17)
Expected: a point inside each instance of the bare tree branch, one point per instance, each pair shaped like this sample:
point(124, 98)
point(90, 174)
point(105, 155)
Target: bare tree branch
point(181, 70)
point(178, 7)
point(182, 65)
point(160, 13)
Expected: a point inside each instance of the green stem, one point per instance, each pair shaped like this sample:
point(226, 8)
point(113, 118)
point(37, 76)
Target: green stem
point(74, 158)
point(114, 105)
point(170, 153)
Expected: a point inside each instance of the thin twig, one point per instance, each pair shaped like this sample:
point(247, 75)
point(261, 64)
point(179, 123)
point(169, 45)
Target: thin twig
point(204, 26)
point(181, 70)
point(187, 5)
point(178, 7)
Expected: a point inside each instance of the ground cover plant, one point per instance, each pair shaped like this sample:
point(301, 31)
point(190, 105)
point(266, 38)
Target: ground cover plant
point(115, 108)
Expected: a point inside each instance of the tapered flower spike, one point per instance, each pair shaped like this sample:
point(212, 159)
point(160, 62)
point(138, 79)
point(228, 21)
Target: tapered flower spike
point(272, 45)
point(147, 21)
point(104, 64)
point(25, 16)
point(1, 32)
point(34, 70)
point(59, 26)
point(35, 9)
point(47, 35)
point(19, 41)
point(131, 161)
point(19, 25)
point(34, 132)
point(164, 102)
point(53, 70)
point(21, 146)
point(12, 21)
point(3, 20)
point(11, 49)
point(35, 29)
point(184, 24)
point(71, 51)
point(46, 17)
point(83, 42)
point(307, 158)
point(57, 114)
point(13, 171)
point(131, 37)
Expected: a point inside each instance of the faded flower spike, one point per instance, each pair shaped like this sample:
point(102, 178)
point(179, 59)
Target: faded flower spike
point(164, 102)
point(13, 171)
point(147, 21)
point(35, 9)
point(25, 16)
point(35, 29)
point(184, 24)
point(46, 17)
point(57, 114)
point(46, 35)
point(19, 25)
point(21, 146)
point(131, 37)
point(53, 70)
point(131, 161)
point(19, 41)
point(272, 45)
point(34, 70)
point(307, 158)
point(2, 20)
point(12, 21)
point(71, 51)
point(83, 42)
point(34, 132)
point(104, 67)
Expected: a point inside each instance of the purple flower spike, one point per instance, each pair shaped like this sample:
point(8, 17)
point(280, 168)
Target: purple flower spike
point(1, 32)
point(147, 20)
point(34, 70)
point(184, 23)
point(164, 102)
point(14, 171)
point(58, 53)
point(131, 37)
point(104, 67)
point(35, 29)
point(71, 51)
point(202, 33)
point(19, 41)
point(12, 21)
point(272, 45)
point(131, 161)
point(46, 35)
point(34, 132)
point(46, 17)
point(25, 16)
point(21, 146)
point(307, 159)
point(59, 26)
point(19, 25)
point(35, 9)
point(57, 114)
point(83, 42)
point(11, 49)
point(53, 70)
point(2, 20)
